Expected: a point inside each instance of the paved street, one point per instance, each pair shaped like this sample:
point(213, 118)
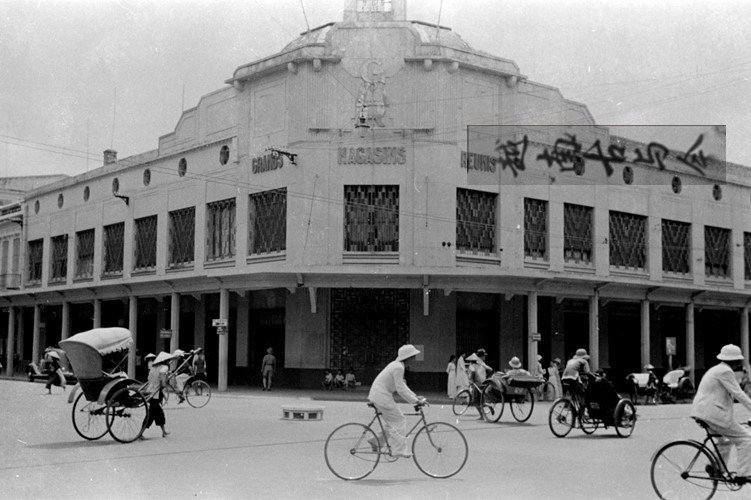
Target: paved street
point(239, 447)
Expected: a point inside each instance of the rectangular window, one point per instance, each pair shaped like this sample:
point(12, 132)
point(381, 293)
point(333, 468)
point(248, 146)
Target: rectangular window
point(59, 271)
point(676, 247)
point(36, 253)
point(145, 244)
point(628, 240)
point(113, 249)
point(4, 262)
point(475, 221)
point(16, 257)
point(182, 230)
point(85, 254)
point(716, 252)
point(747, 256)
point(267, 222)
point(536, 228)
point(577, 233)
point(371, 218)
point(220, 230)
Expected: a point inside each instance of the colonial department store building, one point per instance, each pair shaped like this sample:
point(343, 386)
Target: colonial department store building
point(331, 202)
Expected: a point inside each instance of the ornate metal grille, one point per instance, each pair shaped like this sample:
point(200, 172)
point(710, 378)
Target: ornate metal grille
point(747, 255)
point(577, 233)
point(716, 252)
point(36, 252)
point(536, 228)
point(628, 240)
point(182, 230)
point(59, 258)
point(371, 218)
point(475, 221)
point(367, 326)
point(85, 254)
point(676, 246)
point(113, 249)
point(267, 222)
point(145, 251)
point(220, 230)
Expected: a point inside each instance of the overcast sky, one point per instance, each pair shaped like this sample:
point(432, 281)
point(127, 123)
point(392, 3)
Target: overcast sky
point(83, 76)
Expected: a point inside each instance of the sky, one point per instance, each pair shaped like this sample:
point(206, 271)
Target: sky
point(78, 77)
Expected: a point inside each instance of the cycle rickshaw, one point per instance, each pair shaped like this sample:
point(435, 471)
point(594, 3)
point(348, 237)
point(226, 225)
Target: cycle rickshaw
point(601, 405)
point(109, 401)
point(517, 390)
point(183, 382)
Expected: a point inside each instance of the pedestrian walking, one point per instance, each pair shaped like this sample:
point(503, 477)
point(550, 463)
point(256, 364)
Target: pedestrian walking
point(451, 371)
point(199, 366)
point(153, 390)
point(268, 366)
point(54, 372)
point(462, 379)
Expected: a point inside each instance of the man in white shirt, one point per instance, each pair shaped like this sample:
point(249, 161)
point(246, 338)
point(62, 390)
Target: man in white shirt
point(389, 381)
point(714, 405)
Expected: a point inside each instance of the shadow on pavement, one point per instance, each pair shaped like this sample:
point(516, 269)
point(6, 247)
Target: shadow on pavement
point(72, 444)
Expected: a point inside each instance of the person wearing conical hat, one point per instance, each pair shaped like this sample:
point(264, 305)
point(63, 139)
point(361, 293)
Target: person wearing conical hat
point(153, 391)
point(571, 378)
point(389, 381)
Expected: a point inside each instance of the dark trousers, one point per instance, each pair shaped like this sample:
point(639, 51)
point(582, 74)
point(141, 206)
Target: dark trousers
point(156, 414)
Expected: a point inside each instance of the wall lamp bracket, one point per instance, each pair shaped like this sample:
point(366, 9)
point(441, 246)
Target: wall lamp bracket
point(126, 199)
point(276, 153)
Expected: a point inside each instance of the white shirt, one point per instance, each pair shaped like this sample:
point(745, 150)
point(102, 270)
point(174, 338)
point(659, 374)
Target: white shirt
point(389, 381)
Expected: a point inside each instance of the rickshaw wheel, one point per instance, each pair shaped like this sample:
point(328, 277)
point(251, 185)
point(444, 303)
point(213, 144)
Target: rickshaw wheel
point(625, 418)
point(522, 406)
point(561, 417)
point(461, 402)
point(127, 413)
point(89, 418)
point(588, 424)
point(492, 403)
point(197, 393)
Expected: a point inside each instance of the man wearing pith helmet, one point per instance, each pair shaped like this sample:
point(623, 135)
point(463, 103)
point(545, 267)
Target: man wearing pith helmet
point(714, 405)
point(389, 381)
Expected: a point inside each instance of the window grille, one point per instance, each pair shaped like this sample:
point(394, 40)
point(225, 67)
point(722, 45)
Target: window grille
point(85, 254)
point(577, 233)
point(676, 246)
point(220, 230)
point(4, 262)
point(716, 252)
point(113, 249)
point(371, 218)
point(536, 228)
point(59, 258)
point(475, 221)
point(267, 222)
point(36, 252)
point(145, 251)
point(628, 240)
point(747, 256)
point(182, 229)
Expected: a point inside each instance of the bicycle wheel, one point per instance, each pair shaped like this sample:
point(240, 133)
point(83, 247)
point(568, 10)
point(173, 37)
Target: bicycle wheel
point(198, 393)
point(522, 406)
point(547, 392)
point(587, 424)
point(492, 403)
point(89, 419)
point(127, 413)
point(561, 417)
point(625, 418)
point(684, 470)
point(439, 450)
point(462, 402)
point(349, 454)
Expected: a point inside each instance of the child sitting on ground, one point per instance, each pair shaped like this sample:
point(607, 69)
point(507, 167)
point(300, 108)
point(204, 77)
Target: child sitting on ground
point(328, 380)
point(349, 379)
point(339, 380)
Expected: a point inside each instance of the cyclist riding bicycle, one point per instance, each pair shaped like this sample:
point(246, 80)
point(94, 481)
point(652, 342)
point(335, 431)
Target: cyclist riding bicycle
point(571, 378)
point(389, 381)
point(714, 405)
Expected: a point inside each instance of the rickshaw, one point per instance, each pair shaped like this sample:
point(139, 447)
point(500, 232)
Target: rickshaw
point(109, 401)
point(516, 389)
point(182, 381)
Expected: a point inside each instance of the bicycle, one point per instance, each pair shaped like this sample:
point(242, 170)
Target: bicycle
point(195, 390)
point(464, 399)
point(439, 449)
point(691, 469)
point(546, 392)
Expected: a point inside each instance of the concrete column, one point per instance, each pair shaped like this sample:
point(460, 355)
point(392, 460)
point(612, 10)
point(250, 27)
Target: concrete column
point(223, 341)
point(645, 354)
point(174, 321)
point(35, 351)
point(65, 332)
point(594, 331)
point(97, 313)
point(11, 341)
point(744, 332)
point(531, 328)
point(133, 327)
point(690, 347)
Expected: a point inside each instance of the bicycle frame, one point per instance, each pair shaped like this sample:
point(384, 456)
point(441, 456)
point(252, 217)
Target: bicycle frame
point(377, 417)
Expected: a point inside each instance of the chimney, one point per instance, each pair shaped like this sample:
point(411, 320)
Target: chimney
point(110, 156)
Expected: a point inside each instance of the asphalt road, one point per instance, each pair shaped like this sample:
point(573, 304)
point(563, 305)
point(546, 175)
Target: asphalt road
point(238, 446)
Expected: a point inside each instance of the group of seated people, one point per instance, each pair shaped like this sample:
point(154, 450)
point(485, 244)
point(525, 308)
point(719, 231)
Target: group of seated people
point(340, 380)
